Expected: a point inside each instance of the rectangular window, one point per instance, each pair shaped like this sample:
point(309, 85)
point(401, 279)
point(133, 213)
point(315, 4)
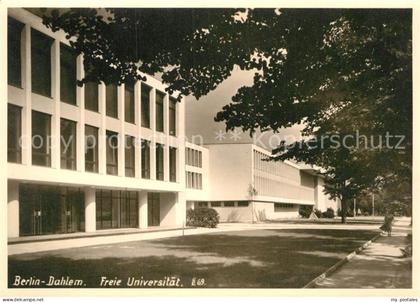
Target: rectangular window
point(41, 139)
point(190, 179)
point(41, 63)
point(200, 181)
point(203, 204)
point(91, 96)
point(129, 156)
point(159, 162)
point(112, 100)
point(172, 164)
point(172, 116)
point(215, 204)
point(68, 144)
point(91, 149)
point(188, 156)
point(279, 207)
point(145, 105)
point(129, 103)
point(159, 110)
point(103, 209)
point(187, 179)
point(229, 204)
point(14, 71)
point(116, 209)
point(153, 209)
point(145, 159)
point(193, 180)
point(197, 160)
point(68, 74)
point(111, 153)
point(14, 132)
point(243, 203)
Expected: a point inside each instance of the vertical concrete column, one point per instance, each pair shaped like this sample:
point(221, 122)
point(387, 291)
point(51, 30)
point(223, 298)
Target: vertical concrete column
point(153, 138)
point(137, 120)
point(12, 209)
point(142, 209)
point(167, 139)
point(80, 95)
point(180, 130)
point(90, 209)
point(181, 209)
point(55, 92)
point(166, 162)
point(316, 201)
point(27, 86)
point(102, 129)
point(121, 135)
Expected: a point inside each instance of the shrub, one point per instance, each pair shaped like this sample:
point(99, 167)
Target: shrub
point(318, 213)
point(305, 211)
point(202, 217)
point(329, 213)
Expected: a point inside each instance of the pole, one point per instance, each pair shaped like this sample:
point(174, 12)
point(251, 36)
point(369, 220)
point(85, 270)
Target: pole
point(252, 210)
point(183, 228)
point(373, 204)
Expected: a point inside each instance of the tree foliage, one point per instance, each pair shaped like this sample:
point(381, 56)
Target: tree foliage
point(337, 71)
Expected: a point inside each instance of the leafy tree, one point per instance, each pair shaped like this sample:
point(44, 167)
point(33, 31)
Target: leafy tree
point(355, 79)
point(338, 72)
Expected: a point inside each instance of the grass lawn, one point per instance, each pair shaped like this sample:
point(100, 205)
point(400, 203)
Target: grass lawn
point(249, 259)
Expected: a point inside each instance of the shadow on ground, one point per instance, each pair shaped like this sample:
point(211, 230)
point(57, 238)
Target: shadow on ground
point(248, 259)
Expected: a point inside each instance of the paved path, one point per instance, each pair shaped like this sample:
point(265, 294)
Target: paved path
point(381, 265)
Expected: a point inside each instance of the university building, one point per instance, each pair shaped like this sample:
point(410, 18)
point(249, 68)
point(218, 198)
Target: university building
point(105, 157)
point(241, 185)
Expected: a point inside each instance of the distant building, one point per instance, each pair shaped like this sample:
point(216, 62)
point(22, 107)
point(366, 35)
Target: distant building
point(243, 186)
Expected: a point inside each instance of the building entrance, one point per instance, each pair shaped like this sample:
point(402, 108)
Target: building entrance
point(47, 210)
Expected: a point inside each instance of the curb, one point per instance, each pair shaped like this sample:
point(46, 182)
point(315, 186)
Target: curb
point(95, 235)
point(340, 263)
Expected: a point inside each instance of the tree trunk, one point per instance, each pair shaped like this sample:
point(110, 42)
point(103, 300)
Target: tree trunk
point(343, 210)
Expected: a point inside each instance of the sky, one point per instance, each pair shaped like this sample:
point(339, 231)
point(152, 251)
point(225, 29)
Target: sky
point(200, 117)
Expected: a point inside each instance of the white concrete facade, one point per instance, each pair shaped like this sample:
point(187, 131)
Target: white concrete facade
point(244, 187)
point(172, 193)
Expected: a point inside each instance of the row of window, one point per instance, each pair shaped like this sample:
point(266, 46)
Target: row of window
point(224, 204)
point(41, 80)
point(279, 207)
point(267, 186)
point(41, 147)
point(194, 180)
point(193, 157)
point(277, 168)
